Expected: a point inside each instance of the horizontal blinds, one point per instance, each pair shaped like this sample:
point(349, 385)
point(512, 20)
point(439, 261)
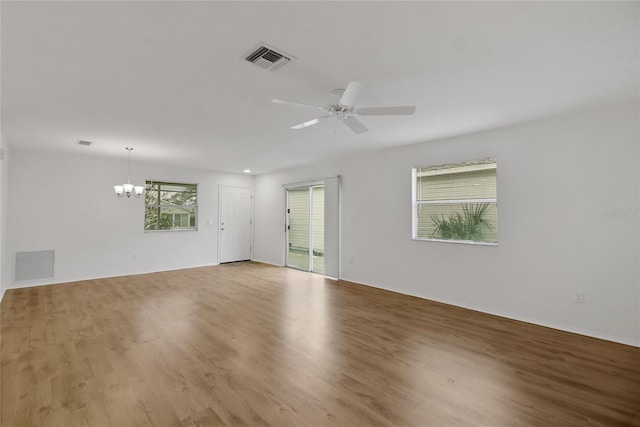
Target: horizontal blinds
point(477, 165)
point(457, 186)
point(299, 218)
point(318, 219)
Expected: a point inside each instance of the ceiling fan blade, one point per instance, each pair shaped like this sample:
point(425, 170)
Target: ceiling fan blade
point(355, 125)
point(406, 110)
point(297, 104)
point(351, 93)
point(309, 122)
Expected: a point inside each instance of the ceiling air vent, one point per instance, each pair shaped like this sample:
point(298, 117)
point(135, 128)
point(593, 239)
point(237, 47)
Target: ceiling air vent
point(85, 143)
point(267, 57)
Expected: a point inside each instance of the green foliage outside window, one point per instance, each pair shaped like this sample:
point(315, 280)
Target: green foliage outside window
point(467, 225)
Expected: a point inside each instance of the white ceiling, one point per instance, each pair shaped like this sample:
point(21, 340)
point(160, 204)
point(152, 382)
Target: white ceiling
point(167, 78)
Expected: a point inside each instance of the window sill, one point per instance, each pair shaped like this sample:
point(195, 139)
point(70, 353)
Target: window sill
point(175, 230)
point(464, 242)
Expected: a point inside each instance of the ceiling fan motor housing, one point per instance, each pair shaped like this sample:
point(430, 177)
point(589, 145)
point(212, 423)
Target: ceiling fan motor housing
point(341, 110)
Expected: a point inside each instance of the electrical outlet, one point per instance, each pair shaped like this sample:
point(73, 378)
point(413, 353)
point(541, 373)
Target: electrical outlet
point(580, 297)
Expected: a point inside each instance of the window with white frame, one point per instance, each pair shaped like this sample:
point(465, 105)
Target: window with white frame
point(170, 206)
point(456, 202)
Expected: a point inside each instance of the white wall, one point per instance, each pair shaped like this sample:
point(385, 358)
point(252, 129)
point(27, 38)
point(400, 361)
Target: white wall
point(4, 172)
point(66, 202)
point(563, 183)
point(4, 192)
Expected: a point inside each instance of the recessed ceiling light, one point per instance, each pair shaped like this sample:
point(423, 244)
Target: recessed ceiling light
point(247, 171)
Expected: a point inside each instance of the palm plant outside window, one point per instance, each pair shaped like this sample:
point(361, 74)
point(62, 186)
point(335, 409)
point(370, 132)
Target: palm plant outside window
point(170, 206)
point(456, 202)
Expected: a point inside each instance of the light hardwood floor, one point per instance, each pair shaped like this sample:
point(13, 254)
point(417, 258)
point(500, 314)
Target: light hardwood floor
point(255, 345)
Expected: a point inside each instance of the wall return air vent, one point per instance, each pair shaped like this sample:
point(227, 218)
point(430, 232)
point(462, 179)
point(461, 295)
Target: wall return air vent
point(34, 265)
point(267, 57)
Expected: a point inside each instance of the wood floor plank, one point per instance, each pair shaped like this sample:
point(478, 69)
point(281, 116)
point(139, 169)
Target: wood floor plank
point(255, 345)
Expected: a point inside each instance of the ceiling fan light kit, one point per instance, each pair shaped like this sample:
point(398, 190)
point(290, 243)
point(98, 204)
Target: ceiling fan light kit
point(342, 106)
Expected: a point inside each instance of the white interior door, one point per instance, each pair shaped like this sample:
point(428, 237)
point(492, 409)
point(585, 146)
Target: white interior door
point(235, 224)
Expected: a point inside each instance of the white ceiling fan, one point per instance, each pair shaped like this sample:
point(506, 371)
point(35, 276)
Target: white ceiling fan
point(342, 106)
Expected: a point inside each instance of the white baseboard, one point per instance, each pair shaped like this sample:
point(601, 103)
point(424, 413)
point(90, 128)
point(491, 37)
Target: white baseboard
point(266, 262)
point(56, 281)
point(513, 316)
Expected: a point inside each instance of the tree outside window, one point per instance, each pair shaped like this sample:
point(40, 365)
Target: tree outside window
point(170, 206)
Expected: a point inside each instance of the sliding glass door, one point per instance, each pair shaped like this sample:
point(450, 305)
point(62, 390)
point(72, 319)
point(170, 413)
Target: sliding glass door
point(305, 228)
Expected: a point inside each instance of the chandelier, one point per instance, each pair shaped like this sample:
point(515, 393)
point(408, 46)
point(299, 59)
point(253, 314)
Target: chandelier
point(128, 188)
